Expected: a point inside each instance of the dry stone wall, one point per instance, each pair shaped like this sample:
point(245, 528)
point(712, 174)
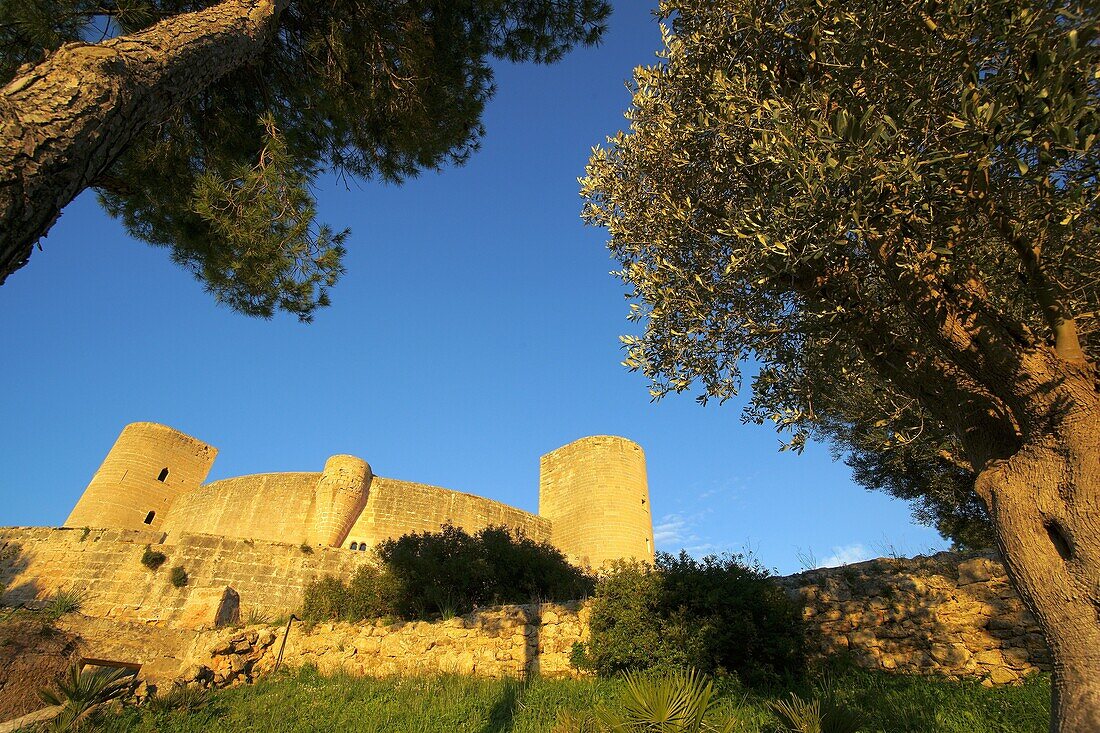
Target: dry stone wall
point(950, 613)
point(511, 641)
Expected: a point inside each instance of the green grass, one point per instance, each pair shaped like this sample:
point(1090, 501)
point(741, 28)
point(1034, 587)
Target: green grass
point(306, 701)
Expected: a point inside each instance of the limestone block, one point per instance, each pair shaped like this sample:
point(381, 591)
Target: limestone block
point(211, 608)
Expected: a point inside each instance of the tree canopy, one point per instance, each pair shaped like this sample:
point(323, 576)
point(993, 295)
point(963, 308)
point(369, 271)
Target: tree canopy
point(360, 88)
point(868, 198)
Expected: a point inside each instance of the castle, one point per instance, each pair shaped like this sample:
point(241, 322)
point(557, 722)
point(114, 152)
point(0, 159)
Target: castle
point(593, 499)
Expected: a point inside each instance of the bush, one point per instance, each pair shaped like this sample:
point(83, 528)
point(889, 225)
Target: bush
point(448, 572)
point(716, 615)
point(451, 571)
point(152, 559)
point(178, 576)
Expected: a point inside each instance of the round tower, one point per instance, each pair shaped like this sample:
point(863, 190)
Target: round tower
point(146, 469)
point(594, 492)
point(341, 496)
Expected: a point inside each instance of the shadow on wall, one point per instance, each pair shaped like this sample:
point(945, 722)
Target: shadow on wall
point(13, 564)
point(32, 651)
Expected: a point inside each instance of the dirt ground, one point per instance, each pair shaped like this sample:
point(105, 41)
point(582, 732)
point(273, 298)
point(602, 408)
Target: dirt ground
point(32, 654)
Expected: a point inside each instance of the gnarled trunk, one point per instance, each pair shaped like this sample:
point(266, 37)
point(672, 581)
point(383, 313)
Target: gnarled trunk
point(1045, 505)
point(64, 121)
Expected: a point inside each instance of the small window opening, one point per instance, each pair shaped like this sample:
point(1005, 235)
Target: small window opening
point(362, 547)
point(647, 548)
point(149, 517)
point(163, 474)
point(355, 545)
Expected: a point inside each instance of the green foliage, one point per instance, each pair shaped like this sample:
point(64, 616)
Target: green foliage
point(453, 570)
point(819, 715)
point(874, 202)
point(304, 701)
point(152, 559)
point(360, 88)
point(448, 572)
point(82, 690)
point(66, 600)
point(676, 702)
point(306, 548)
point(178, 576)
point(184, 700)
point(718, 614)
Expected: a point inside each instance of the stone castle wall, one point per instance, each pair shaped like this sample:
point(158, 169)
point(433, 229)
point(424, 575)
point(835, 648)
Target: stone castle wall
point(395, 508)
point(950, 613)
point(593, 495)
point(106, 565)
point(272, 507)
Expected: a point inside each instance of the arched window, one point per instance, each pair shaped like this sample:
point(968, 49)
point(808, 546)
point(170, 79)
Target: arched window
point(355, 545)
point(163, 474)
point(149, 517)
point(362, 547)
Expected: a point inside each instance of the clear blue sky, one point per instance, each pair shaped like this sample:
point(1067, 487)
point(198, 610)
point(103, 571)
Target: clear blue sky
point(476, 328)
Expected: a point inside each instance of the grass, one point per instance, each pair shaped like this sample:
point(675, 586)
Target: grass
point(303, 700)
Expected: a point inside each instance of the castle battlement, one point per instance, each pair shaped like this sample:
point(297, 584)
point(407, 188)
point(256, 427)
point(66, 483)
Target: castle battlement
point(593, 499)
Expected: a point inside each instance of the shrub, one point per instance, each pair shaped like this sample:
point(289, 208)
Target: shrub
point(325, 599)
point(718, 614)
point(454, 571)
point(178, 576)
point(448, 572)
point(152, 559)
point(819, 715)
point(306, 548)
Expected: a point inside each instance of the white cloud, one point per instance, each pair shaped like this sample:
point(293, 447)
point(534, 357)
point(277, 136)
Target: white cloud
point(672, 529)
point(846, 556)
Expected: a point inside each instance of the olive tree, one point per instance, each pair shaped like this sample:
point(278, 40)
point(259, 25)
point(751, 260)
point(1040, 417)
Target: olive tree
point(891, 206)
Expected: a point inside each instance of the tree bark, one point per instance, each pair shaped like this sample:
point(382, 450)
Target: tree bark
point(64, 121)
point(1045, 505)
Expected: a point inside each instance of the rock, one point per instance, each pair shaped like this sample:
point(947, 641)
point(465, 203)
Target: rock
point(977, 570)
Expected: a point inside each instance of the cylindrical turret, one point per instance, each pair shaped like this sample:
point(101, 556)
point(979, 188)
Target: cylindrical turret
point(146, 469)
point(341, 495)
point(595, 493)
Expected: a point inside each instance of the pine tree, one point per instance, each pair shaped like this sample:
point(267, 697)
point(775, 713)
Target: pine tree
point(202, 125)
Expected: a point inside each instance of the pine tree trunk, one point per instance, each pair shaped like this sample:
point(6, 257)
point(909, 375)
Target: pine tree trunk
point(1045, 506)
point(64, 121)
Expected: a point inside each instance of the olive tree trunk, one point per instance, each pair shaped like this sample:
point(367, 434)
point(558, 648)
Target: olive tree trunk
point(64, 121)
point(1045, 505)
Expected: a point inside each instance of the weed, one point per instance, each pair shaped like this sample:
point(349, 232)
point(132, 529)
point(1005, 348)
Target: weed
point(178, 576)
point(256, 617)
point(66, 600)
point(306, 548)
point(152, 559)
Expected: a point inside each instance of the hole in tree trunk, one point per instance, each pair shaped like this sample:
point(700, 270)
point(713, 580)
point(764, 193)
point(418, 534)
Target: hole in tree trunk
point(1058, 539)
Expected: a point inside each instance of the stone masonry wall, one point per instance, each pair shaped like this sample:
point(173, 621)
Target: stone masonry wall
point(106, 564)
point(950, 613)
point(395, 508)
point(276, 507)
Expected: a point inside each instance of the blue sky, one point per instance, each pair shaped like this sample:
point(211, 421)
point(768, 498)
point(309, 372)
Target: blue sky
point(476, 329)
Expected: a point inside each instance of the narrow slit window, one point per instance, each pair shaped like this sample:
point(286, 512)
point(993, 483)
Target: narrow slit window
point(149, 517)
point(163, 474)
